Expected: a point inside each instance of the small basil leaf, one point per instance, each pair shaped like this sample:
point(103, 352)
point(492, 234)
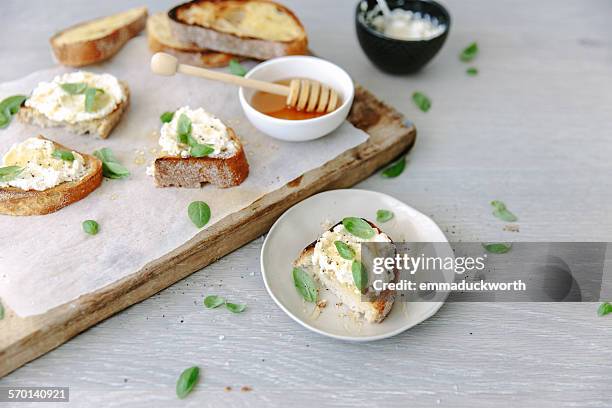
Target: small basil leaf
point(422, 101)
point(383, 215)
point(75, 88)
point(500, 211)
point(604, 309)
point(236, 68)
point(395, 169)
point(90, 98)
point(345, 250)
point(186, 381)
point(63, 155)
point(201, 150)
point(199, 213)
point(472, 71)
point(235, 307)
point(469, 52)
point(8, 173)
point(9, 107)
point(497, 248)
point(183, 129)
point(166, 117)
point(110, 167)
point(213, 301)
point(1, 311)
point(360, 275)
point(91, 227)
point(305, 285)
point(358, 227)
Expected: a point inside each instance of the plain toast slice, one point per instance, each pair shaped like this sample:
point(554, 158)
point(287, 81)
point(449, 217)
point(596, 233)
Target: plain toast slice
point(99, 39)
point(193, 172)
point(373, 310)
point(258, 29)
point(161, 39)
point(101, 127)
point(15, 201)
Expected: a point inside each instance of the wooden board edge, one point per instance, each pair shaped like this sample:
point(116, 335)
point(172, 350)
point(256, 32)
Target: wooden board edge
point(36, 335)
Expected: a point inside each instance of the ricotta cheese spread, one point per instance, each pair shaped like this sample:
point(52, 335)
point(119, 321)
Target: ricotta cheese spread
point(41, 170)
point(327, 258)
point(50, 99)
point(205, 129)
point(407, 25)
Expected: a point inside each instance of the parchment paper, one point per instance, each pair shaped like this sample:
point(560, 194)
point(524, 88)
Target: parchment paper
point(47, 261)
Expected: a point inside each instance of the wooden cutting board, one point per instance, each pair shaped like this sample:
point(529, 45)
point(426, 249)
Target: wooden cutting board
point(24, 339)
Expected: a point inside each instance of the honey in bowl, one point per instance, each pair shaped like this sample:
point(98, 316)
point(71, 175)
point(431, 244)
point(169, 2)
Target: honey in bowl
point(276, 105)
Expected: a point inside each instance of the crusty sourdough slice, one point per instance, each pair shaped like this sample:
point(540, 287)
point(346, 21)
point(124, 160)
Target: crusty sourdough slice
point(259, 29)
point(96, 40)
point(15, 201)
point(192, 172)
point(161, 39)
point(101, 127)
point(373, 310)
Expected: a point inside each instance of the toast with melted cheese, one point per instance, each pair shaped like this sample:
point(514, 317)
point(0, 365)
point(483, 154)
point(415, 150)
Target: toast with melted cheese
point(368, 306)
point(99, 39)
point(258, 29)
point(161, 39)
point(34, 199)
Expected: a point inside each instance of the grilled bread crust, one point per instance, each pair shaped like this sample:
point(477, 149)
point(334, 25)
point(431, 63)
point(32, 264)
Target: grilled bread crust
point(91, 51)
point(210, 38)
point(193, 172)
point(15, 201)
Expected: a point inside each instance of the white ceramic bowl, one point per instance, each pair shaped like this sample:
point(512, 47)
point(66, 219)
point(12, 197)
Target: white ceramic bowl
point(299, 67)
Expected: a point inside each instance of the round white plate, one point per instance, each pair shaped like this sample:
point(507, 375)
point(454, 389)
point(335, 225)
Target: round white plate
point(304, 222)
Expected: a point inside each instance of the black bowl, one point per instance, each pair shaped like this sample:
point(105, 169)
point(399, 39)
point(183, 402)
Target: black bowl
point(400, 56)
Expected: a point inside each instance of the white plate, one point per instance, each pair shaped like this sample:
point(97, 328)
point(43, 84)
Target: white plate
point(304, 222)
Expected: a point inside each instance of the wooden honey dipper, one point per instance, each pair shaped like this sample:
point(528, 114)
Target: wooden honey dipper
point(302, 94)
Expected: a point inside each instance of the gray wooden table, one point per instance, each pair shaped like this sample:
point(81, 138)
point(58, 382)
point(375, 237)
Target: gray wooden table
point(532, 129)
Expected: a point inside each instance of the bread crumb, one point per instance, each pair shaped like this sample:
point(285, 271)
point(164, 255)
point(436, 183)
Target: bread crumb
point(227, 388)
point(246, 388)
point(511, 228)
point(321, 304)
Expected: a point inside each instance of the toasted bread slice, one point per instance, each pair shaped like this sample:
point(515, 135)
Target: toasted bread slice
point(15, 201)
point(192, 172)
point(101, 127)
point(258, 29)
point(161, 39)
point(373, 310)
point(97, 40)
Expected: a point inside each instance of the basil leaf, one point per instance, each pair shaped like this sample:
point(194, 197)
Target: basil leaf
point(500, 211)
point(236, 68)
point(360, 275)
point(63, 155)
point(9, 107)
point(8, 173)
point(186, 381)
point(183, 129)
point(305, 285)
point(345, 250)
point(201, 150)
point(469, 52)
point(472, 71)
point(1, 311)
point(110, 167)
point(358, 227)
point(199, 213)
point(75, 88)
point(213, 301)
point(604, 309)
point(497, 248)
point(383, 215)
point(395, 169)
point(166, 117)
point(422, 101)
point(90, 98)
point(235, 308)
point(91, 227)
